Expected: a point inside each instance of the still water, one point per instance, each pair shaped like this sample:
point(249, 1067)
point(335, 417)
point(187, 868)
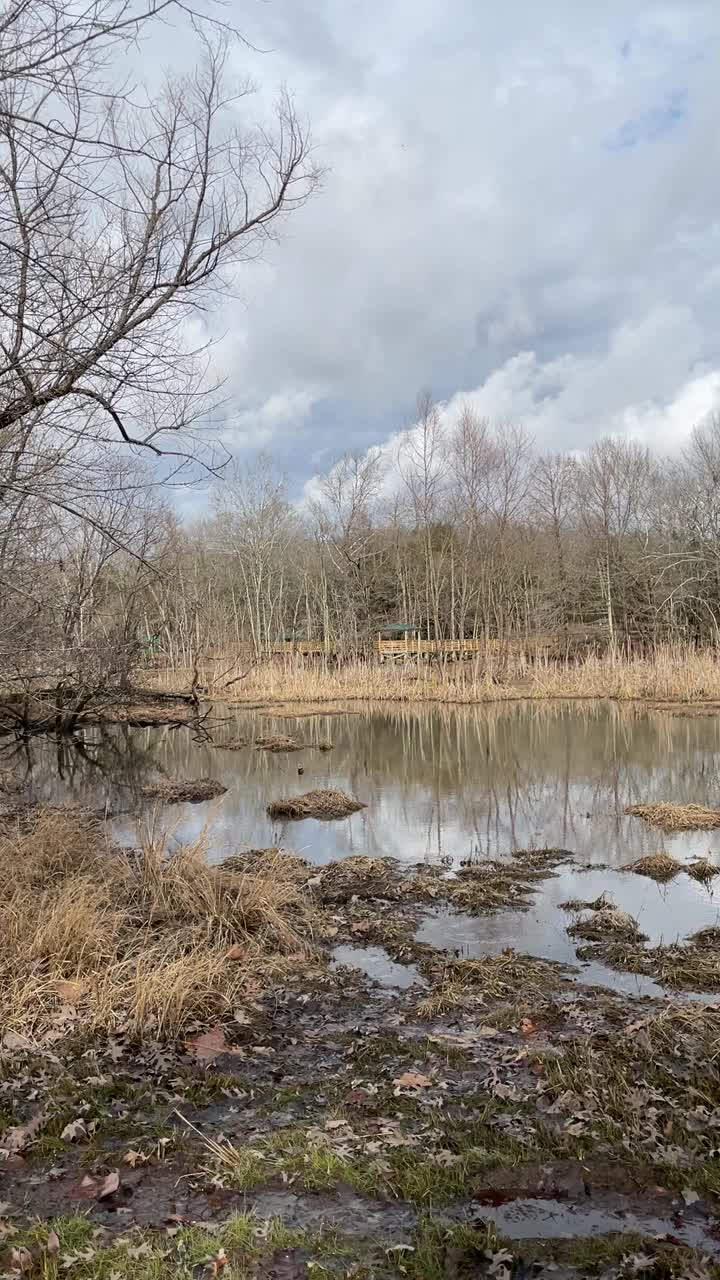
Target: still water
point(440, 784)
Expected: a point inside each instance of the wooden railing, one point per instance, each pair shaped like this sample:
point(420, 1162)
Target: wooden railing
point(396, 648)
point(410, 646)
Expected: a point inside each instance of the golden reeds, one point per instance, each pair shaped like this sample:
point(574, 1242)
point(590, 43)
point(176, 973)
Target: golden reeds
point(676, 817)
point(658, 866)
point(315, 804)
point(178, 791)
point(671, 674)
point(141, 940)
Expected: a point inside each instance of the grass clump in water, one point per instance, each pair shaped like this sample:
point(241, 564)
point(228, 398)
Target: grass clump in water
point(702, 869)
point(603, 903)
point(690, 966)
point(658, 866)
point(676, 817)
point(315, 804)
point(178, 792)
point(277, 743)
point(358, 877)
point(607, 922)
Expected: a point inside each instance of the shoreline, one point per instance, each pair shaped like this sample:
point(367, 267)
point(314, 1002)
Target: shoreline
point(289, 1115)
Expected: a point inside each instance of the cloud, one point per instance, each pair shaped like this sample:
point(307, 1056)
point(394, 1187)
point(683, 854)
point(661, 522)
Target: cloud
point(520, 199)
point(557, 401)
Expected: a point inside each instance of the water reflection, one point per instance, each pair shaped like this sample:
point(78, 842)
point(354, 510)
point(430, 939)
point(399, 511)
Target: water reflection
point(439, 783)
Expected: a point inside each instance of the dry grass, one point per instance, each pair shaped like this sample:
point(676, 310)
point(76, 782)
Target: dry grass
point(136, 941)
point(603, 903)
point(471, 983)
point(192, 791)
point(278, 742)
point(690, 966)
point(608, 922)
point(701, 869)
point(676, 817)
point(358, 877)
point(658, 866)
point(670, 675)
point(315, 804)
point(143, 715)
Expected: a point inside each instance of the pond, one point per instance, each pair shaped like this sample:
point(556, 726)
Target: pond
point(440, 785)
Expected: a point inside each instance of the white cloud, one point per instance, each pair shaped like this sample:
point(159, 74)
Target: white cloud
point(546, 399)
point(478, 227)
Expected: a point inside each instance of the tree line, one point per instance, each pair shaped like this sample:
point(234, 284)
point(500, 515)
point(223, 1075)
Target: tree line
point(464, 529)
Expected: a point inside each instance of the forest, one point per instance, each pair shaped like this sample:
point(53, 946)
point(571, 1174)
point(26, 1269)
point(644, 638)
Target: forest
point(462, 529)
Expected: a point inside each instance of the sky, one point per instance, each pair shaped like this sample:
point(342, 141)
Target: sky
point(520, 210)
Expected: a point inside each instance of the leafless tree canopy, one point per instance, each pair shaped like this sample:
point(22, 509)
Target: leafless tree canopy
point(123, 211)
point(120, 211)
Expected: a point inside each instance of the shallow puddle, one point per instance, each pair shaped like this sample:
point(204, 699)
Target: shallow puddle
point(665, 913)
point(376, 963)
point(527, 1219)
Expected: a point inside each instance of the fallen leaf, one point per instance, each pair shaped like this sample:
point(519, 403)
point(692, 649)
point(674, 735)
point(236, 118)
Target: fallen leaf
point(242, 1018)
point(21, 1259)
point(74, 1130)
point(528, 1027)
point(217, 1263)
point(11, 1040)
point(357, 1095)
point(209, 1046)
point(236, 952)
point(413, 1080)
point(135, 1157)
point(53, 1242)
point(690, 1196)
point(70, 991)
point(14, 1140)
point(109, 1185)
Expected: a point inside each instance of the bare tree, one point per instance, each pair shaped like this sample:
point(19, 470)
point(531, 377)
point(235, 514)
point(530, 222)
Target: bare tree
point(256, 528)
point(120, 212)
point(615, 488)
point(343, 513)
point(554, 489)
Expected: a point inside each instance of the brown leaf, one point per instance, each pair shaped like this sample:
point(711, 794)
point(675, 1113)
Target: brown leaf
point(217, 1263)
point(74, 1130)
point(528, 1027)
point(135, 1157)
point(413, 1080)
point(11, 1040)
point(109, 1185)
point(361, 926)
point(70, 991)
point(53, 1242)
point(236, 952)
point(209, 1046)
point(21, 1259)
point(14, 1140)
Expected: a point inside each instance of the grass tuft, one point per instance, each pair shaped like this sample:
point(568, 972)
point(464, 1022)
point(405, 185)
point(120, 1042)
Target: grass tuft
point(137, 940)
point(658, 866)
point(315, 804)
point(676, 817)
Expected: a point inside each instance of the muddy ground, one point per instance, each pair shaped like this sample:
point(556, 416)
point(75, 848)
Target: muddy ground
point(493, 1117)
